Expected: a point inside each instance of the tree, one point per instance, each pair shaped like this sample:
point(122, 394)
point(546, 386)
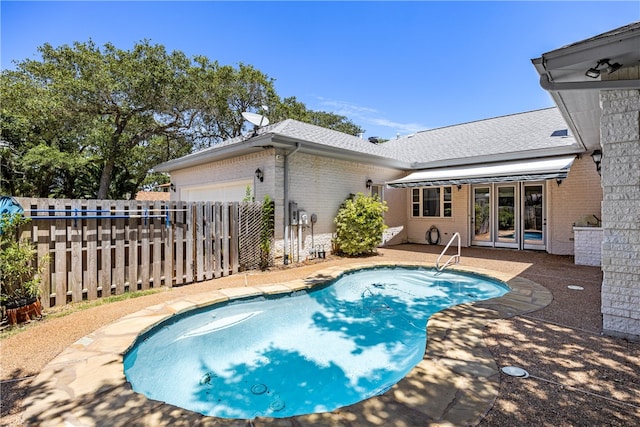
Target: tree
point(291, 108)
point(123, 111)
point(335, 122)
point(87, 122)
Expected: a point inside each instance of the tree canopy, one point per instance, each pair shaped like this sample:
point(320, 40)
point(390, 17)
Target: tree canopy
point(91, 122)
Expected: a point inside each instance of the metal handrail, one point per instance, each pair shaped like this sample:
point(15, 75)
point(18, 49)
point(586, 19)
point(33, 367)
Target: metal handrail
point(455, 257)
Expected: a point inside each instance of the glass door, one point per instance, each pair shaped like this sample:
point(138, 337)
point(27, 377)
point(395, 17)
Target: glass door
point(507, 216)
point(534, 220)
point(481, 216)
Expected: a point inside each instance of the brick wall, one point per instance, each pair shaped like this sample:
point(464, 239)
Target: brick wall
point(620, 140)
point(588, 246)
point(319, 185)
point(579, 197)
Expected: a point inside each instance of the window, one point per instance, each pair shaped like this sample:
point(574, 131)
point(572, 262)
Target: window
point(431, 202)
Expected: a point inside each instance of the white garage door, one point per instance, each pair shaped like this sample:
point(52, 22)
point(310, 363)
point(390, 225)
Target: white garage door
point(227, 192)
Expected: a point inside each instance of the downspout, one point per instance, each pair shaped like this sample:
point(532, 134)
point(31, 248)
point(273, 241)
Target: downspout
point(286, 201)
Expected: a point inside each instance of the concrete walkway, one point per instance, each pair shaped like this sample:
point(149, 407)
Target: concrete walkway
point(456, 383)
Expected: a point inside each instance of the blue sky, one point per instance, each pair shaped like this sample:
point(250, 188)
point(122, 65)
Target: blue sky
point(391, 67)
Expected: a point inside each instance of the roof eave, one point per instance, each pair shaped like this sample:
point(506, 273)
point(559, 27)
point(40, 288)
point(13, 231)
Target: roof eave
point(214, 153)
point(277, 141)
point(577, 97)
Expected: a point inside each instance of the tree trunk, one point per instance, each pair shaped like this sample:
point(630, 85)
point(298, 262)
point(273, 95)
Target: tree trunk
point(105, 180)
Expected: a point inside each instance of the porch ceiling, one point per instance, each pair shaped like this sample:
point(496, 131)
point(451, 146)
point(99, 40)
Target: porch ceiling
point(562, 73)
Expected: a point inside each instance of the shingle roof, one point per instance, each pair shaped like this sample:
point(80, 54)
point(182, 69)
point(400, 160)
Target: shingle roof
point(516, 136)
point(500, 136)
point(634, 26)
point(328, 137)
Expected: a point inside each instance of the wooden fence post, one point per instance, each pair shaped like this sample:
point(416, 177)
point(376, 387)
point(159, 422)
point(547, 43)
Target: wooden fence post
point(91, 238)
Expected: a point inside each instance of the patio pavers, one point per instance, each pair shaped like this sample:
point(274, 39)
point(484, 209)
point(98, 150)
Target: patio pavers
point(456, 383)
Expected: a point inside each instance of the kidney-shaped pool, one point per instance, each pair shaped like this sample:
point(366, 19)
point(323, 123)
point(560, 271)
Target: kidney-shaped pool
point(299, 353)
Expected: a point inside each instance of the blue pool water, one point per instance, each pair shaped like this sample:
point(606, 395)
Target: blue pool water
point(528, 235)
point(303, 353)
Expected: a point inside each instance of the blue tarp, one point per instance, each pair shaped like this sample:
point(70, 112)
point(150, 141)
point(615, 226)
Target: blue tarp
point(9, 205)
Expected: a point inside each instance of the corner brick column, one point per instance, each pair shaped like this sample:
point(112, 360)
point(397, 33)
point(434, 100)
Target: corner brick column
point(620, 140)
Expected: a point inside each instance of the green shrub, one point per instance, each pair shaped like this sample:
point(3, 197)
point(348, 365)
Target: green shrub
point(266, 232)
point(18, 275)
point(359, 225)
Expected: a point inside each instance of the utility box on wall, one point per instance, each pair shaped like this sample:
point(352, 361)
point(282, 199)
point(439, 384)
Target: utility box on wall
point(293, 213)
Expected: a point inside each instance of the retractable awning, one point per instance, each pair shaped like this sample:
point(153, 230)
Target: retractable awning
point(527, 170)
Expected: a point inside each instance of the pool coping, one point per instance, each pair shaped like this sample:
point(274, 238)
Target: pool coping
point(456, 383)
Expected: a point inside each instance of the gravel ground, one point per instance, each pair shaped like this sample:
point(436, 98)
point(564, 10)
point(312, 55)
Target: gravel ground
point(577, 377)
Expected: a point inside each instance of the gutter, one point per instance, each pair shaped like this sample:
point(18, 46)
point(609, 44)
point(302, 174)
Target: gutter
point(215, 152)
point(550, 86)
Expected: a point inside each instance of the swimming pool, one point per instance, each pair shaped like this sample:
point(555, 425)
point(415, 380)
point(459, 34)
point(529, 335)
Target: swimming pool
point(301, 353)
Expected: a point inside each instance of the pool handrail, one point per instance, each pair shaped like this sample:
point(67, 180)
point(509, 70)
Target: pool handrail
point(453, 257)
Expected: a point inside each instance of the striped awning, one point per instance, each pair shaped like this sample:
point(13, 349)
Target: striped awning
point(527, 170)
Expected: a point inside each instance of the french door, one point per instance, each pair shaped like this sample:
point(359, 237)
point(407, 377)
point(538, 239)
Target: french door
point(534, 220)
point(481, 216)
point(510, 215)
point(507, 215)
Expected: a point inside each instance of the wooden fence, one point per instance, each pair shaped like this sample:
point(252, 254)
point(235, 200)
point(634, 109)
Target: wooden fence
point(88, 249)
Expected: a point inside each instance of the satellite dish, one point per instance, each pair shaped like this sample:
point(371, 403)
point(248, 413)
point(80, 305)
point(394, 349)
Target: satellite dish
point(255, 119)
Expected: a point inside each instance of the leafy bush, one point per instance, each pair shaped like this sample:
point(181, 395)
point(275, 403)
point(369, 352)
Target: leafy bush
point(359, 224)
point(18, 275)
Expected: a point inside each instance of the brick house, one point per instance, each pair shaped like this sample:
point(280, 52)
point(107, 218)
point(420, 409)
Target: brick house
point(522, 181)
point(519, 181)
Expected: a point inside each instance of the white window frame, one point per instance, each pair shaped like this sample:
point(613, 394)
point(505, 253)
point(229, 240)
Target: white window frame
point(444, 204)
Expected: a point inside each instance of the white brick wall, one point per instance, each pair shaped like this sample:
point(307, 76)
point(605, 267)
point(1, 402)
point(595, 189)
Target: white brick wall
point(579, 196)
point(620, 140)
point(588, 246)
point(319, 185)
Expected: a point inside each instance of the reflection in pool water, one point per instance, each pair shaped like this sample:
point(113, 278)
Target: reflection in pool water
point(528, 235)
point(297, 354)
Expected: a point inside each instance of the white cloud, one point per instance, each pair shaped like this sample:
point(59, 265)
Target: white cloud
point(364, 116)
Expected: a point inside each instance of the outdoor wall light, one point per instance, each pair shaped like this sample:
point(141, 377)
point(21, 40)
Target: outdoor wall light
point(597, 159)
point(259, 175)
point(369, 183)
point(172, 186)
point(594, 72)
point(558, 181)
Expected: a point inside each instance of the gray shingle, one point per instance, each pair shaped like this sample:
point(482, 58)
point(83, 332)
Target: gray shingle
point(498, 136)
point(458, 144)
